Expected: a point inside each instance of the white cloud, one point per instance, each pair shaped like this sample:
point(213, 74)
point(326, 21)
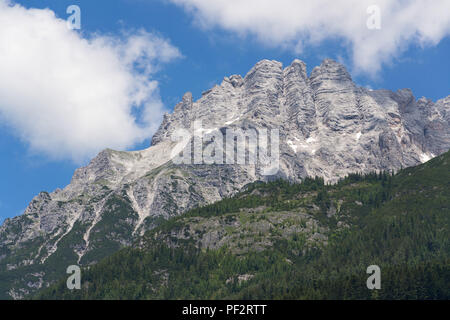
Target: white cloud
point(69, 96)
point(299, 23)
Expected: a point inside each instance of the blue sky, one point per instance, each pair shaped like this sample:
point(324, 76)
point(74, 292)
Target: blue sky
point(208, 54)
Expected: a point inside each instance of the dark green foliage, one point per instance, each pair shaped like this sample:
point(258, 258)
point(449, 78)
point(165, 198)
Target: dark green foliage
point(112, 226)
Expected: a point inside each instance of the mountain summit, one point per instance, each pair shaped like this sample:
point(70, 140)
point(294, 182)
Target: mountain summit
point(327, 126)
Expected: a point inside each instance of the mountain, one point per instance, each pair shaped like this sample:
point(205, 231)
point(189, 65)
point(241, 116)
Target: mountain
point(280, 240)
point(325, 126)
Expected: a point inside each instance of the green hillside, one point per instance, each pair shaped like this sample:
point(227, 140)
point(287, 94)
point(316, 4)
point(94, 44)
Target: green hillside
point(293, 241)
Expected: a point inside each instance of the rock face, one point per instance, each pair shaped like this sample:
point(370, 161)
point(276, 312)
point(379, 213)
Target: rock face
point(328, 126)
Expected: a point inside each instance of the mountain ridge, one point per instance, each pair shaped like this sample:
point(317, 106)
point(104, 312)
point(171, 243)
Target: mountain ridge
point(328, 127)
point(281, 240)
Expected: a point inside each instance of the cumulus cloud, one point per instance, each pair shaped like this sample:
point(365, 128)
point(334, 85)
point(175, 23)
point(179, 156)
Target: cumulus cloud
point(299, 23)
point(69, 96)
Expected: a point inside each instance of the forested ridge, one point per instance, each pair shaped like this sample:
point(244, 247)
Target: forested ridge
point(399, 222)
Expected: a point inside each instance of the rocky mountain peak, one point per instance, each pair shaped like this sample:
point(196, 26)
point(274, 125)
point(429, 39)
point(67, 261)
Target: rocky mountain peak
point(330, 73)
point(187, 99)
point(299, 68)
point(328, 127)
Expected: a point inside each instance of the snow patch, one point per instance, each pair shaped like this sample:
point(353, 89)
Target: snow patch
point(202, 131)
point(232, 121)
point(426, 157)
point(292, 145)
point(302, 146)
